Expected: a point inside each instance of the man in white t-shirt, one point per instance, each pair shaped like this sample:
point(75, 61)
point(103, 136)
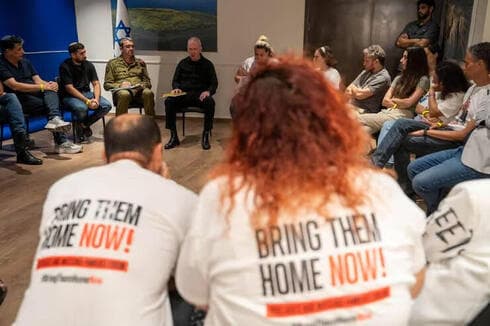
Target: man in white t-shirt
point(456, 244)
point(110, 237)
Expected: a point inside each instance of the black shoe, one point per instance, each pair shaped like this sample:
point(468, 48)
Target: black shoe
point(3, 291)
point(205, 140)
point(25, 157)
point(87, 132)
point(173, 141)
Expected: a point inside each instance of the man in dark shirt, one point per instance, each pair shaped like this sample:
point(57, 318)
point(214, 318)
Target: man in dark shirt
point(11, 112)
point(422, 32)
point(76, 75)
point(196, 76)
point(36, 95)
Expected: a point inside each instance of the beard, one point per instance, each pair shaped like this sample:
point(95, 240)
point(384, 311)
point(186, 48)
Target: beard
point(422, 16)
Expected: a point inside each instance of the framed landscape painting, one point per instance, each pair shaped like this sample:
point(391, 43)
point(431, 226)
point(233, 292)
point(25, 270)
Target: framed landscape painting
point(165, 25)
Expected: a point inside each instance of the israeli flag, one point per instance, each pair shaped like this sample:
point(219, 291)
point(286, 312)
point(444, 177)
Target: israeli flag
point(121, 28)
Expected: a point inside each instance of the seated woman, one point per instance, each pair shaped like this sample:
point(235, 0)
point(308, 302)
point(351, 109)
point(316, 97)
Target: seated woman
point(324, 60)
point(262, 52)
point(433, 175)
point(443, 104)
point(432, 53)
point(297, 228)
point(404, 93)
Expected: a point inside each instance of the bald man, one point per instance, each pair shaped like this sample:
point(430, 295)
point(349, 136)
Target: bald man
point(112, 231)
point(196, 77)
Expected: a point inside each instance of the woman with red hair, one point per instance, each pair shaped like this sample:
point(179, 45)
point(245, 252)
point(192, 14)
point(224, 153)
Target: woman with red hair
point(295, 227)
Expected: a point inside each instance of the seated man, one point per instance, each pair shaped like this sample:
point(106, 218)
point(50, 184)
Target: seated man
point(456, 285)
point(11, 112)
point(194, 75)
point(368, 89)
point(36, 95)
point(76, 75)
point(129, 72)
point(104, 236)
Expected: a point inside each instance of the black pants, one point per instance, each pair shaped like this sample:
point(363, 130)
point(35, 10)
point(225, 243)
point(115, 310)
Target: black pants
point(175, 104)
point(41, 103)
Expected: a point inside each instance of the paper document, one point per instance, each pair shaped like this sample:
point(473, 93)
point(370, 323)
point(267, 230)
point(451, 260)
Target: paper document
point(170, 94)
point(121, 88)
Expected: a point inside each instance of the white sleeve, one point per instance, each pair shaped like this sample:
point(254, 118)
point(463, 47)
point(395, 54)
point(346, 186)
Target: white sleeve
point(192, 274)
point(336, 79)
point(419, 257)
point(450, 106)
point(193, 267)
point(478, 104)
point(450, 228)
point(416, 225)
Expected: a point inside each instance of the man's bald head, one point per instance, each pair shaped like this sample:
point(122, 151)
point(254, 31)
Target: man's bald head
point(194, 48)
point(131, 133)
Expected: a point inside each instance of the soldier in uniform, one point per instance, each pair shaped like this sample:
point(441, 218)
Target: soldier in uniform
point(126, 76)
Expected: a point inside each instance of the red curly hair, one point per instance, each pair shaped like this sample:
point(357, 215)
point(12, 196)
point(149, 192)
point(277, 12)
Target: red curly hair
point(295, 143)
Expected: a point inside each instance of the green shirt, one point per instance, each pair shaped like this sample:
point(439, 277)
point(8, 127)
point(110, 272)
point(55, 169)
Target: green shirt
point(118, 71)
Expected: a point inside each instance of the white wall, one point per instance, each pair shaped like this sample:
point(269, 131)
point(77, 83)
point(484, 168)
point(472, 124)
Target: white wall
point(486, 29)
point(240, 22)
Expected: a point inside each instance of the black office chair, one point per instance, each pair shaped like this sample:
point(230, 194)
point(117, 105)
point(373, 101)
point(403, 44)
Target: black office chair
point(188, 109)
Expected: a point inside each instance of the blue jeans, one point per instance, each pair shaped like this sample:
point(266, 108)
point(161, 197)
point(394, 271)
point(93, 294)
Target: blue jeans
point(80, 109)
point(398, 143)
point(433, 175)
point(382, 134)
point(11, 111)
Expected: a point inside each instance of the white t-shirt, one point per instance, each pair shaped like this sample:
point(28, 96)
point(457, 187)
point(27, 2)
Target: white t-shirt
point(317, 272)
point(449, 107)
point(248, 64)
point(471, 105)
point(456, 243)
point(109, 241)
point(333, 76)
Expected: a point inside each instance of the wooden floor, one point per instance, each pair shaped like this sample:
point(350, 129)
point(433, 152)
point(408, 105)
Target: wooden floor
point(23, 189)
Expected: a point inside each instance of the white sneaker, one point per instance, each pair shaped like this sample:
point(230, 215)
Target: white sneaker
point(68, 148)
point(57, 124)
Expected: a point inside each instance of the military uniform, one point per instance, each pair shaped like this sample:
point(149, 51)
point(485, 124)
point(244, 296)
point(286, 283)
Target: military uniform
point(118, 71)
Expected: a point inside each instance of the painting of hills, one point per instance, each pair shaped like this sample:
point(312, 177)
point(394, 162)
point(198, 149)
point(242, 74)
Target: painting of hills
point(165, 25)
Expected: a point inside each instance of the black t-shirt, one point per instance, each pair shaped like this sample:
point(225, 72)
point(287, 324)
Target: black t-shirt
point(80, 76)
point(22, 73)
point(429, 30)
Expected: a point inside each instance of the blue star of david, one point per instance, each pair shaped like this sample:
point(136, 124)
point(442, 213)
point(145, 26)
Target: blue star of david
point(121, 27)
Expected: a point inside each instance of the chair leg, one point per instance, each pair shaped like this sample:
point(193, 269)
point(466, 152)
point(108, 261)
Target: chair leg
point(141, 110)
point(26, 119)
point(1, 135)
point(73, 129)
point(183, 124)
